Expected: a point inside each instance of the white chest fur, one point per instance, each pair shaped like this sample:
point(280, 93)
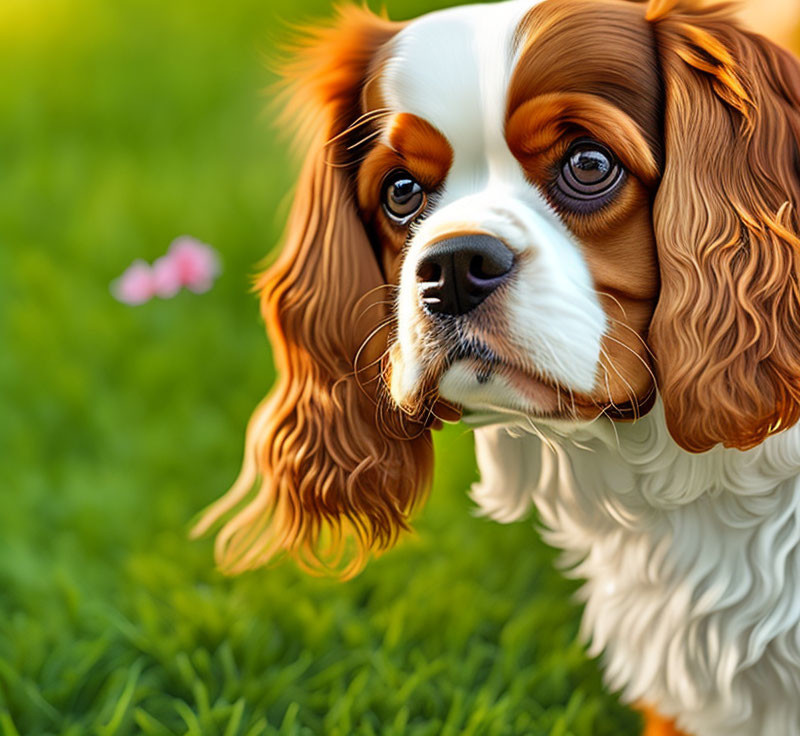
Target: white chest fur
point(691, 562)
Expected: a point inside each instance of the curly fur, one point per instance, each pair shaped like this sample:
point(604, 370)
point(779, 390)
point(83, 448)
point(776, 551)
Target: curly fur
point(331, 469)
point(689, 561)
point(727, 233)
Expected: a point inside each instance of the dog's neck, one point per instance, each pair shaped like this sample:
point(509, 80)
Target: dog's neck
point(621, 474)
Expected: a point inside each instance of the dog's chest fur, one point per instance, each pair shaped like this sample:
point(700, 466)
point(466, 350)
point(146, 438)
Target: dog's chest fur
point(691, 562)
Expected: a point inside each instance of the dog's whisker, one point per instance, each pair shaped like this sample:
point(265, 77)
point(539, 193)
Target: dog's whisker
point(644, 363)
point(634, 333)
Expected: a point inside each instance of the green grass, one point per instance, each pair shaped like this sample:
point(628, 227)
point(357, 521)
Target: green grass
point(124, 123)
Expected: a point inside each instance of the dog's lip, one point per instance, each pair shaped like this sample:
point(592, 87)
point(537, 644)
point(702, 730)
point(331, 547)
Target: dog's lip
point(537, 391)
point(534, 389)
point(540, 393)
point(445, 412)
point(553, 401)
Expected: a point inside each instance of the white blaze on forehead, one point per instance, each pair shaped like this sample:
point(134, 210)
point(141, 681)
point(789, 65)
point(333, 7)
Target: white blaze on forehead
point(452, 68)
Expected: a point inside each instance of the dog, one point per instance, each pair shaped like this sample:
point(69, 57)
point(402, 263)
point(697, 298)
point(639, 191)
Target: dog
point(574, 224)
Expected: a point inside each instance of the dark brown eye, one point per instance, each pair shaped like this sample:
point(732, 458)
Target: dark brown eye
point(589, 177)
point(403, 197)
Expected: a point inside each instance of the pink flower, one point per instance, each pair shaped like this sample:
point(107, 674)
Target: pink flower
point(135, 286)
point(188, 262)
point(166, 277)
point(196, 264)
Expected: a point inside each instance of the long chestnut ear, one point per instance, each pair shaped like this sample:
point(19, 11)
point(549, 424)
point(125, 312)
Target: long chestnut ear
point(331, 469)
point(726, 330)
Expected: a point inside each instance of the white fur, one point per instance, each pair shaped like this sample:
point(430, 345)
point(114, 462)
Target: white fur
point(691, 561)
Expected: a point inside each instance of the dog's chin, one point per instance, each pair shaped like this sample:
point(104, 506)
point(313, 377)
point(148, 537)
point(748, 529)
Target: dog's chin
point(507, 394)
point(500, 392)
point(490, 389)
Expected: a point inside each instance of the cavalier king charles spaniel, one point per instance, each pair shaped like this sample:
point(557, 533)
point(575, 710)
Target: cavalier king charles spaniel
point(574, 224)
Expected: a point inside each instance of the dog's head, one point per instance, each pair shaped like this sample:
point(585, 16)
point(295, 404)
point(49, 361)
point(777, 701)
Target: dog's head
point(555, 209)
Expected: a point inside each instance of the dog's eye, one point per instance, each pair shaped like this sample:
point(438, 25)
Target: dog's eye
point(589, 176)
point(403, 197)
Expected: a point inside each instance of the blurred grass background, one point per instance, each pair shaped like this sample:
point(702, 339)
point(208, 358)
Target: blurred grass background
point(122, 125)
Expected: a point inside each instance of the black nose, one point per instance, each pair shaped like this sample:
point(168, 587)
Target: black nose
point(457, 274)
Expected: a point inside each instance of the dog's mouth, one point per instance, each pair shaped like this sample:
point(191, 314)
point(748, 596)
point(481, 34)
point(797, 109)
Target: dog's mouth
point(465, 373)
point(534, 392)
point(468, 377)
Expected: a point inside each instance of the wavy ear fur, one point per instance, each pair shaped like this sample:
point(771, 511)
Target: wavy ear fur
point(726, 331)
point(331, 469)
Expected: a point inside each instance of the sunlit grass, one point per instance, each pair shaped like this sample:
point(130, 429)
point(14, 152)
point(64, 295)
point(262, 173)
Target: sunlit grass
point(122, 125)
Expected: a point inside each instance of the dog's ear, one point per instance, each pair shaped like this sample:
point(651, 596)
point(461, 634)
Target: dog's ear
point(331, 468)
point(726, 330)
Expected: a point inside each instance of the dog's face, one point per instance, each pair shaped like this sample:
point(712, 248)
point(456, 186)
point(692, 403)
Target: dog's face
point(510, 191)
point(557, 209)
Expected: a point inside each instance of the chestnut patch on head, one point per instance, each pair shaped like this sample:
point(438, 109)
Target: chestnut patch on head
point(586, 131)
point(396, 179)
